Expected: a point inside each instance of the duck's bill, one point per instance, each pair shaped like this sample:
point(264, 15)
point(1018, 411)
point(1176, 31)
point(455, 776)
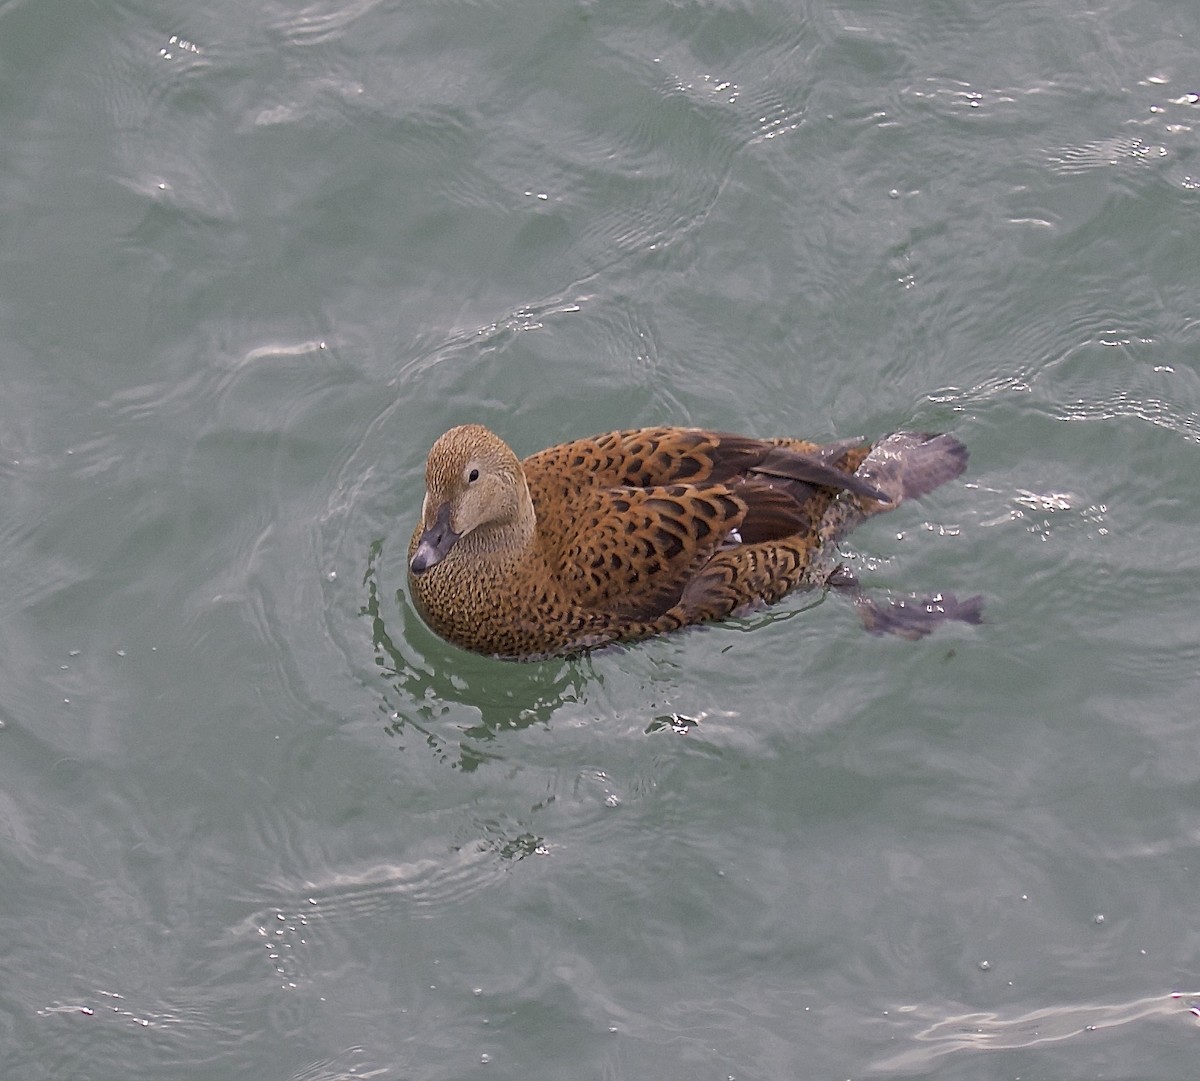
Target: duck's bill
point(435, 543)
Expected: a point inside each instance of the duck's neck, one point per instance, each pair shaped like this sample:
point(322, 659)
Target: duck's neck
point(509, 538)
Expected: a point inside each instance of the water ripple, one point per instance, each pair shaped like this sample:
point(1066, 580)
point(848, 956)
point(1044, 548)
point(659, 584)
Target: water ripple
point(336, 904)
point(317, 23)
point(1102, 153)
point(975, 1031)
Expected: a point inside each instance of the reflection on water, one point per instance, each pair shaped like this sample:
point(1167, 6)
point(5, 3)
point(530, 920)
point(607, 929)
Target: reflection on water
point(995, 1032)
point(502, 697)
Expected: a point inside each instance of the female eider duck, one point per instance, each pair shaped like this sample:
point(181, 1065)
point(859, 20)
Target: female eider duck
point(625, 535)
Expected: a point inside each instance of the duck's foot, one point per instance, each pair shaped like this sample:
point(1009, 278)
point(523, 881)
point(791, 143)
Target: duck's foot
point(914, 617)
point(910, 617)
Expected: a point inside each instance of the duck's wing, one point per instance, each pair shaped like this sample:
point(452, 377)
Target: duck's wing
point(632, 552)
point(829, 466)
point(650, 457)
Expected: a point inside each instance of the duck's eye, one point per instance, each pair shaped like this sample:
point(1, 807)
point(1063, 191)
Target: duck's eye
point(473, 476)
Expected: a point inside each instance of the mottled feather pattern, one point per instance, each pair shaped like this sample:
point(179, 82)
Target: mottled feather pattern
point(634, 549)
point(631, 533)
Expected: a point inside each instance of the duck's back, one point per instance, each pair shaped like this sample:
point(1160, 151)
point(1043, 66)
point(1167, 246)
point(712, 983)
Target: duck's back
point(651, 457)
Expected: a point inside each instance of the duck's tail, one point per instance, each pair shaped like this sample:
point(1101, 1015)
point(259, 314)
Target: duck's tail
point(908, 465)
point(904, 465)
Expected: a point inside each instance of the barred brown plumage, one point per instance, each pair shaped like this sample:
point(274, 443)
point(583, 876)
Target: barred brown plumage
point(624, 535)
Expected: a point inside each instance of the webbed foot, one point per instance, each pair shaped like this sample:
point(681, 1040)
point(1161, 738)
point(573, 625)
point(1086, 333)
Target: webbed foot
point(910, 617)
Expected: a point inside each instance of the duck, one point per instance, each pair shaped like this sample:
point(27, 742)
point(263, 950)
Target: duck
point(617, 537)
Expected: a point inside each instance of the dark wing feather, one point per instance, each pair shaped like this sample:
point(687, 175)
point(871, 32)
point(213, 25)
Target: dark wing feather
point(787, 464)
point(772, 512)
point(649, 457)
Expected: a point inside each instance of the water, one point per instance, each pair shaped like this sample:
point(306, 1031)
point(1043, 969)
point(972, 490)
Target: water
point(256, 821)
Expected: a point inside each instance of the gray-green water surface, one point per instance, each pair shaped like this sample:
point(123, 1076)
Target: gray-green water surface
point(257, 822)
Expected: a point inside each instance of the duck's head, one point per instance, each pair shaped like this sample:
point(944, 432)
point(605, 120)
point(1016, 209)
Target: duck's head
point(474, 486)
